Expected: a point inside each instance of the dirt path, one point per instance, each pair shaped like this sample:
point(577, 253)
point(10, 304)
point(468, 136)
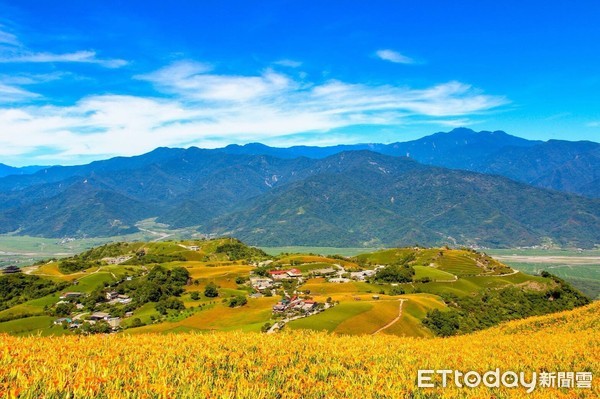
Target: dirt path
point(395, 320)
point(515, 271)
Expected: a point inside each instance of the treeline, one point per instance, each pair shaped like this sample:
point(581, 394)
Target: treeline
point(491, 307)
point(18, 288)
point(238, 250)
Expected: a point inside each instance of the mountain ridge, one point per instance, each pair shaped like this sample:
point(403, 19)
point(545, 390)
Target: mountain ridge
point(357, 197)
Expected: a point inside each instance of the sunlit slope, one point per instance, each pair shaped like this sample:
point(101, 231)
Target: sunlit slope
point(296, 364)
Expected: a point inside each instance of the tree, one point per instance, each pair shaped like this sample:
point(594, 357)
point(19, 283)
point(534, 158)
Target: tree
point(395, 274)
point(237, 301)
point(63, 309)
point(211, 290)
point(195, 295)
point(137, 322)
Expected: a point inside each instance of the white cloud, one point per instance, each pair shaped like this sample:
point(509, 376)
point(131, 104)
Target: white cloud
point(289, 63)
point(207, 109)
point(88, 57)
point(593, 124)
point(7, 38)
point(394, 56)
point(12, 94)
point(191, 80)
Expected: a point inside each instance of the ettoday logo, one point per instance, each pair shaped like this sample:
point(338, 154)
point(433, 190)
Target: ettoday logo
point(508, 379)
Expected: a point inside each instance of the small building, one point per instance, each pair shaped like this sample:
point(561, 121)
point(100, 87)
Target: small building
point(62, 320)
point(112, 295)
point(194, 248)
point(294, 273)
point(114, 322)
point(278, 274)
point(261, 283)
point(362, 275)
point(339, 280)
point(309, 305)
point(99, 316)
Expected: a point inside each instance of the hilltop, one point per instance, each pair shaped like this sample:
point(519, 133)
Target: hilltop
point(224, 284)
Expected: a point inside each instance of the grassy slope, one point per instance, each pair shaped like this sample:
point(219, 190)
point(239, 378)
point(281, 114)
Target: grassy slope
point(299, 364)
point(357, 312)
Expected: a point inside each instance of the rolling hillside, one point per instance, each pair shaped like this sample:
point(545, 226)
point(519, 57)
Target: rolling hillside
point(164, 286)
point(232, 363)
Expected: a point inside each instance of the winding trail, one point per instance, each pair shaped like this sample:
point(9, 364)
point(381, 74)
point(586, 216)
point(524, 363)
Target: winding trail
point(395, 320)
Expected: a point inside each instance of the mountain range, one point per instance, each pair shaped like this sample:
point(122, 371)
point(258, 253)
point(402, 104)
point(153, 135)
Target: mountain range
point(459, 188)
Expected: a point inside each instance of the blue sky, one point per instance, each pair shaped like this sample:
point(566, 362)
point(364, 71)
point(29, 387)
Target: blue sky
point(88, 80)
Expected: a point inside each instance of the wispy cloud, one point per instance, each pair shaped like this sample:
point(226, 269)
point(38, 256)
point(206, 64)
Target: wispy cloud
point(198, 106)
point(593, 124)
point(289, 63)
point(7, 38)
point(88, 57)
point(394, 56)
point(12, 94)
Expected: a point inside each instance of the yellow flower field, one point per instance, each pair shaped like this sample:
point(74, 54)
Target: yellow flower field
point(297, 364)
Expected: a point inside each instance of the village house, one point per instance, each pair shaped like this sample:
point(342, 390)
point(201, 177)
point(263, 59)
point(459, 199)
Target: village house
point(362, 275)
point(278, 274)
point(99, 316)
point(294, 273)
point(112, 295)
point(339, 280)
point(283, 274)
point(194, 248)
point(261, 283)
point(62, 320)
point(114, 322)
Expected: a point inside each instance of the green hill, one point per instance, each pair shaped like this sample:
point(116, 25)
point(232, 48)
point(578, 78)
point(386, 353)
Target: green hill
point(206, 285)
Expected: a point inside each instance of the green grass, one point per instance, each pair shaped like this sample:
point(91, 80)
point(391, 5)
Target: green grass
point(432, 273)
point(27, 326)
point(414, 309)
point(90, 282)
point(331, 318)
point(307, 267)
point(273, 251)
point(458, 264)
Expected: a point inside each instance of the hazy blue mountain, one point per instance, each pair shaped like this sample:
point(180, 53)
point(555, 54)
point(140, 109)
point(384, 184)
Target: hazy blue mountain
point(559, 165)
point(364, 198)
point(301, 196)
point(6, 170)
